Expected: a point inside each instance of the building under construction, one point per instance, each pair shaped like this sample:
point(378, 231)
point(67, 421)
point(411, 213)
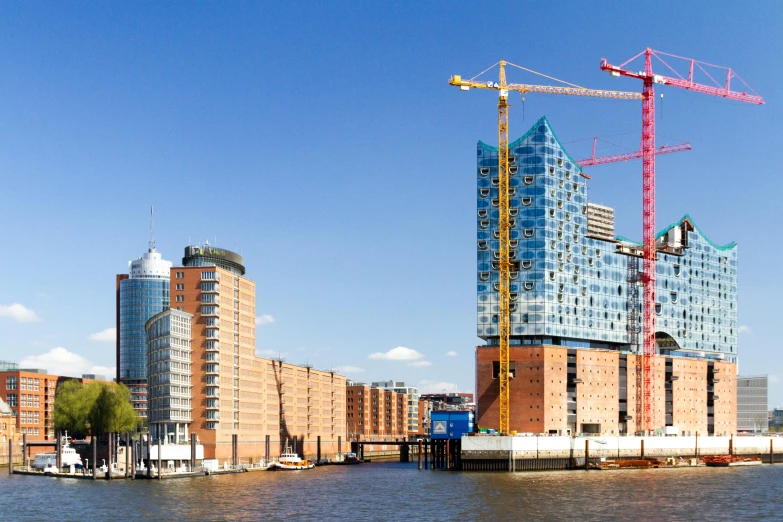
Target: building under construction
point(576, 303)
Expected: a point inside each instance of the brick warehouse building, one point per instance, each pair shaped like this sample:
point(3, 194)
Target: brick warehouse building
point(375, 413)
point(575, 304)
point(224, 387)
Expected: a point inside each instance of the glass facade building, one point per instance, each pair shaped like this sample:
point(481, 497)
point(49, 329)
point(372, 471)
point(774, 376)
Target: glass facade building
point(141, 294)
point(572, 285)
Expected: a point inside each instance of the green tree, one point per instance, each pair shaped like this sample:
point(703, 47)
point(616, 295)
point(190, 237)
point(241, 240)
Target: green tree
point(111, 412)
point(72, 406)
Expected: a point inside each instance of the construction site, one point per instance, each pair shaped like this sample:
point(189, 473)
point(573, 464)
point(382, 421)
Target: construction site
point(587, 333)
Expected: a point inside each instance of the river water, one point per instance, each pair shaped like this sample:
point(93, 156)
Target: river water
point(394, 491)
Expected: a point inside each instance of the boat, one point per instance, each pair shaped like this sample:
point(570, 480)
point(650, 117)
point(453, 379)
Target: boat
point(346, 459)
point(290, 461)
point(731, 461)
point(48, 461)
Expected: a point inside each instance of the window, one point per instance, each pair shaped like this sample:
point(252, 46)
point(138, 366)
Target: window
point(527, 201)
point(23, 383)
point(484, 192)
point(677, 270)
point(10, 383)
point(528, 180)
point(484, 171)
point(12, 399)
point(673, 296)
point(658, 308)
point(529, 285)
point(527, 264)
point(496, 369)
point(528, 232)
point(482, 213)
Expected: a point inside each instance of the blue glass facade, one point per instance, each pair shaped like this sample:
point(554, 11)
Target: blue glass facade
point(140, 299)
point(571, 289)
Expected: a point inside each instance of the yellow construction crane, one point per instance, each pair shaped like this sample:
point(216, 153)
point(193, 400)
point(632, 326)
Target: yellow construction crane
point(505, 264)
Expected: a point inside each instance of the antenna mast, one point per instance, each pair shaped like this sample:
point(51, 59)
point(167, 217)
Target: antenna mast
point(152, 228)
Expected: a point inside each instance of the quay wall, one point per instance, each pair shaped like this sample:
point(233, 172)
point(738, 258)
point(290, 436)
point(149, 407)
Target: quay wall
point(547, 447)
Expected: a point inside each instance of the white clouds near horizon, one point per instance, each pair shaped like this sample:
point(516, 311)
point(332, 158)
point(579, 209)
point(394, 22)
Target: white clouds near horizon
point(59, 361)
point(400, 353)
point(19, 313)
point(451, 353)
point(264, 319)
point(349, 369)
point(109, 334)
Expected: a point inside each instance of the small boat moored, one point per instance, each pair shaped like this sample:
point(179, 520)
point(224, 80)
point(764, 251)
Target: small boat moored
point(290, 461)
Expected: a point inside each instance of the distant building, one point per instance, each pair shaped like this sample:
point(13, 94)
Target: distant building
point(752, 408)
point(412, 393)
point(374, 412)
point(425, 410)
point(30, 394)
point(7, 429)
point(141, 293)
point(450, 401)
point(776, 419)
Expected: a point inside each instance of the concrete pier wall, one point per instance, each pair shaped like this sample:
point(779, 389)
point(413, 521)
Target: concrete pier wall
point(532, 447)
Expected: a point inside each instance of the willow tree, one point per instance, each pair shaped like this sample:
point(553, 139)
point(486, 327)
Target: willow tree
point(72, 405)
point(112, 411)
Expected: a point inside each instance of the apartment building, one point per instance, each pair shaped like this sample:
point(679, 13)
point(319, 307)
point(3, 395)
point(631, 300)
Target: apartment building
point(374, 412)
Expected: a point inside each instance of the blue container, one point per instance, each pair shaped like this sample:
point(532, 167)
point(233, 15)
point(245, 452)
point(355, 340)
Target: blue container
point(450, 424)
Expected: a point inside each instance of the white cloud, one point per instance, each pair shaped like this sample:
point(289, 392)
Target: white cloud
point(401, 353)
point(419, 364)
point(59, 361)
point(270, 354)
point(773, 378)
point(264, 319)
point(19, 313)
point(744, 329)
point(109, 334)
point(426, 386)
point(451, 353)
point(349, 369)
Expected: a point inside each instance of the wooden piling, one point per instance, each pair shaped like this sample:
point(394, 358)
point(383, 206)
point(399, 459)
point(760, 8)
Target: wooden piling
point(642, 449)
point(420, 453)
point(11, 455)
point(587, 454)
point(160, 460)
point(94, 443)
point(192, 451)
point(426, 455)
point(771, 452)
point(318, 449)
point(149, 455)
point(697, 443)
point(133, 456)
point(340, 445)
point(24, 449)
point(127, 454)
point(58, 448)
point(731, 445)
point(110, 440)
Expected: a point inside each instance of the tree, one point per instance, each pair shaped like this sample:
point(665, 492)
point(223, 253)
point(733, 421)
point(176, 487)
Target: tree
point(111, 411)
point(72, 406)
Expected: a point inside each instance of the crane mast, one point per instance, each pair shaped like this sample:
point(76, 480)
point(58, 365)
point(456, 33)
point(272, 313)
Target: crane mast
point(645, 396)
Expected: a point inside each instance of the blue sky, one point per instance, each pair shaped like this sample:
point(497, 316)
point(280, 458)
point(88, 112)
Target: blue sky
point(322, 142)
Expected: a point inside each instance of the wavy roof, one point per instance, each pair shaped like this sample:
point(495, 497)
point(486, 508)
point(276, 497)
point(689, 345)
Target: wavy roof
point(542, 120)
point(685, 218)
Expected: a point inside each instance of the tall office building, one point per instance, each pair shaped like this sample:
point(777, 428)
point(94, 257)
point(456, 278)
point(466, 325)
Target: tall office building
point(234, 392)
point(141, 293)
point(576, 306)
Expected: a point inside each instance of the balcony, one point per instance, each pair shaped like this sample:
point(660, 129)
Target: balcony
point(213, 392)
point(213, 369)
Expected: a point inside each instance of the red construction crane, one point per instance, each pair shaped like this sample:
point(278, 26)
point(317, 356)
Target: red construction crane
point(648, 191)
point(602, 160)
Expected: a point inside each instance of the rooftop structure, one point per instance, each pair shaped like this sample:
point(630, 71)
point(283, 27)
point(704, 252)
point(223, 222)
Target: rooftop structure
point(206, 255)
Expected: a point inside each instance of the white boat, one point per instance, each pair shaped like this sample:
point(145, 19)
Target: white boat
point(290, 461)
point(49, 460)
